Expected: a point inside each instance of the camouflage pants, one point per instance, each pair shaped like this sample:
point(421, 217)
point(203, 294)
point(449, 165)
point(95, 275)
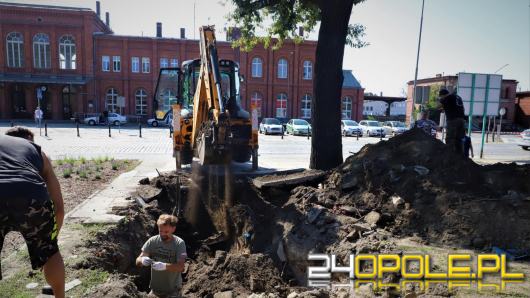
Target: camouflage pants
point(455, 133)
point(35, 220)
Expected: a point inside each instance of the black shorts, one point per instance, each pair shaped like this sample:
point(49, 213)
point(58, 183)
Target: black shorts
point(35, 220)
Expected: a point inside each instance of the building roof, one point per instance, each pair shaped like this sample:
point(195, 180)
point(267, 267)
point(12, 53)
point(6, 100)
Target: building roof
point(349, 80)
point(40, 6)
point(444, 79)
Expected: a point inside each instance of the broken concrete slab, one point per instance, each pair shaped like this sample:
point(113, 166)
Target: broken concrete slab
point(290, 180)
point(225, 294)
point(74, 283)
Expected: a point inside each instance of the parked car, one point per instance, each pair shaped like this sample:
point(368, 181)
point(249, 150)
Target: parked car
point(350, 128)
point(394, 128)
point(270, 126)
point(113, 118)
point(166, 121)
point(298, 127)
point(525, 140)
point(372, 128)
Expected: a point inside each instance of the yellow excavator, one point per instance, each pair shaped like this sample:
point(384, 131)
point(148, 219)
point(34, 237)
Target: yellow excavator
point(204, 100)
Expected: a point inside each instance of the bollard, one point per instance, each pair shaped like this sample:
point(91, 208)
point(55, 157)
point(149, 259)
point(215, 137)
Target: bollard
point(308, 132)
point(282, 132)
point(170, 132)
point(140, 129)
point(380, 135)
point(45, 128)
point(110, 136)
point(77, 126)
point(12, 124)
point(358, 135)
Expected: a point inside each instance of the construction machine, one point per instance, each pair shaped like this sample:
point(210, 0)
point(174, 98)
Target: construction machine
point(208, 120)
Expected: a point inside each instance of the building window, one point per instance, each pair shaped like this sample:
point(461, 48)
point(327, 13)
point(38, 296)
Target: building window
point(141, 102)
point(256, 99)
point(306, 106)
point(308, 70)
point(41, 51)
point(116, 63)
point(67, 56)
point(105, 63)
point(112, 100)
point(174, 62)
point(164, 63)
point(15, 49)
point(257, 68)
point(281, 105)
point(146, 65)
point(135, 64)
point(346, 107)
point(282, 68)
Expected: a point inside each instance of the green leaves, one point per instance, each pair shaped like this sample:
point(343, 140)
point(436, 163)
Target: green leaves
point(280, 20)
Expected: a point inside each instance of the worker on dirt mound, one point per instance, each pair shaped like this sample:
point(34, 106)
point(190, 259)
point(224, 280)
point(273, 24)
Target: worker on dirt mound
point(31, 203)
point(165, 253)
point(454, 112)
point(426, 124)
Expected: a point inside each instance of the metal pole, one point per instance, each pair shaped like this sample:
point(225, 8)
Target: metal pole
point(45, 128)
point(494, 128)
point(472, 101)
point(499, 129)
point(417, 62)
point(484, 115)
point(110, 136)
point(12, 124)
point(77, 125)
point(140, 129)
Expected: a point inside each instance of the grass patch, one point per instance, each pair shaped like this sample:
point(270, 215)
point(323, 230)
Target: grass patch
point(15, 286)
point(67, 172)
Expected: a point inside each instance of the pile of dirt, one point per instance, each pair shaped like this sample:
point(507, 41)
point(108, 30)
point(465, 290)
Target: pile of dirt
point(242, 274)
point(116, 286)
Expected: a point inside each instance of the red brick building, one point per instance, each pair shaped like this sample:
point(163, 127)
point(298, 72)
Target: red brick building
point(507, 96)
point(81, 66)
point(522, 107)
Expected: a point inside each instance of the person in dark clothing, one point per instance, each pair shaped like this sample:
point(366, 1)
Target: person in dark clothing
point(454, 112)
point(32, 204)
point(466, 143)
point(20, 132)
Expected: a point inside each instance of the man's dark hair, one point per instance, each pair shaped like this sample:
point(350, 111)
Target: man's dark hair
point(20, 132)
point(443, 92)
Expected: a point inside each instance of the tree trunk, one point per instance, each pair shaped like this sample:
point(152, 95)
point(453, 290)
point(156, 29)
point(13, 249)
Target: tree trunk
point(326, 144)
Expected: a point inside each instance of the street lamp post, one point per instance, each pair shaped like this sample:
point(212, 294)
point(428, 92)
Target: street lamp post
point(417, 60)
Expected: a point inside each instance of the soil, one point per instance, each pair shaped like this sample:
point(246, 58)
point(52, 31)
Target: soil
point(411, 186)
point(76, 188)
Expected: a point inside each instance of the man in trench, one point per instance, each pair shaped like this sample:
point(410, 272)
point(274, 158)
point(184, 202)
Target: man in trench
point(165, 253)
point(31, 203)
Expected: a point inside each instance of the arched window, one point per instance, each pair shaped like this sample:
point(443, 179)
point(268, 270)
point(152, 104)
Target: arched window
point(308, 70)
point(67, 56)
point(257, 68)
point(256, 99)
point(15, 49)
point(165, 99)
point(282, 68)
point(306, 106)
point(41, 51)
point(112, 100)
point(141, 102)
point(346, 107)
point(281, 105)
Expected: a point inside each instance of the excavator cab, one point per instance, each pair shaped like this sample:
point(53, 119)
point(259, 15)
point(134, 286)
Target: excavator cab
point(167, 92)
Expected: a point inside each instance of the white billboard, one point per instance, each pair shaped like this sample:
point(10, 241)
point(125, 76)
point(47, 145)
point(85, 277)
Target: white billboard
point(478, 90)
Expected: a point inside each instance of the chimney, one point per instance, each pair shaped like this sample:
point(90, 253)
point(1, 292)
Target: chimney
point(182, 33)
point(158, 29)
point(301, 31)
point(98, 9)
point(107, 19)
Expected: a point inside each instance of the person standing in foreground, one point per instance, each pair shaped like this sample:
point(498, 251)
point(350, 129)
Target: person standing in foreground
point(166, 254)
point(454, 112)
point(32, 204)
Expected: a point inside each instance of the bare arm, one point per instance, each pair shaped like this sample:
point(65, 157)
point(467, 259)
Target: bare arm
point(54, 189)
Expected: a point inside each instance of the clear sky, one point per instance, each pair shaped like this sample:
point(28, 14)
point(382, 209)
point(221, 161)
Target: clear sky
point(458, 35)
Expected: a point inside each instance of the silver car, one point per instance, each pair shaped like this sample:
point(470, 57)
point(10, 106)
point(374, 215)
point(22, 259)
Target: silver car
point(350, 128)
point(372, 128)
point(270, 126)
point(525, 140)
point(394, 128)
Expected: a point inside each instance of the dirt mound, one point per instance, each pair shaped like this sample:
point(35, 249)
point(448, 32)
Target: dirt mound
point(241, 274)
point(417, 186)
point(116, 286)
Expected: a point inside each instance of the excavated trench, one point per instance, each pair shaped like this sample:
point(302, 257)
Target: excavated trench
point(231, 233)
